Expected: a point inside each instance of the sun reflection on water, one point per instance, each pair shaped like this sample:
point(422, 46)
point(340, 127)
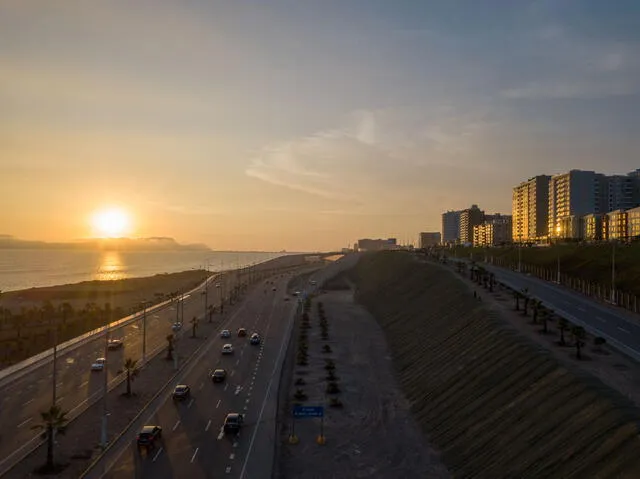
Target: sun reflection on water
point(111, 267)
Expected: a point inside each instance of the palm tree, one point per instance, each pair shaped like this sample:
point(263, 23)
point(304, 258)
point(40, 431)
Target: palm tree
point(194, 324)
point(563, 325)
point(170, 346)
point(131, 368)
point(54, 421)
point(578, 334)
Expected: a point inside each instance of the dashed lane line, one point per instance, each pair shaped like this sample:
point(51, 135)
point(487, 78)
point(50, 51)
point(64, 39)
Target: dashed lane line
point(228, 470)
point(175, 426)
point(226, 386)
point(209, 422)
point(157, 455)
point(190, 403)
point(232, 456)
point(29, 401)
point(193, 458)
point(233, 371)
point(624, 330)
point(25, 422)
point(218, 403)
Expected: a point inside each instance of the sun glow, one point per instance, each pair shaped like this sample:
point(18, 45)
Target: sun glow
point(110, 223)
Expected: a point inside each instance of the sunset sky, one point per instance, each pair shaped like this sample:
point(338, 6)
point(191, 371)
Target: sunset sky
point(303, 125)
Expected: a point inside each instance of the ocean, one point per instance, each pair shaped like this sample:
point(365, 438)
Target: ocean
point(28, 268)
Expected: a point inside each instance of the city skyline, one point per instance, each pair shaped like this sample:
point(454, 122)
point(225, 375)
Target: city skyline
point(303, 126)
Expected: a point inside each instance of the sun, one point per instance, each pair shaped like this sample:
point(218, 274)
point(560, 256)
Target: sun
point(110, 223)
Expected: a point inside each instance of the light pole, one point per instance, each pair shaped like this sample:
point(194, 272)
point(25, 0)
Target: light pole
point(558, 248)
point(105, 373)
point(520, 253)
point(144, 332)
point(205, 293)
point(613, 272)
point(54, 331)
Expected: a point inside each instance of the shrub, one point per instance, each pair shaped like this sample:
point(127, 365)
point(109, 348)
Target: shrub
point(302, 362)
point(300, 395)
point(330, 366)
point(300, 382)
point(326, 348)
point(335, 402)
point(331, 376)
point(332, 388)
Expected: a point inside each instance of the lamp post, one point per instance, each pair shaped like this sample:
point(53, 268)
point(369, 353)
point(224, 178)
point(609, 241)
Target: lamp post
point(558, 248)
point(144, 332)
point(520, 253)
point(613, 271)
point(105, 386)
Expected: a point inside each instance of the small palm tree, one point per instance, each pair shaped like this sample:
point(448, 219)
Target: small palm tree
point(194, 325)
point(170, 346)
point(578, 335)
point(54, 421)
point(131, 368)
point(563, 325)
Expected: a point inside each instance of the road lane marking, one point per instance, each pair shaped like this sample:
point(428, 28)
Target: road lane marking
point(29, 401)
point(84, 384)
point(232, 372)
point(580, 308)
point(228, 470)
point(221, 435)
point(190, 403)
point(157, 454)
point(238, 389)
point(601, 319)
point(176, 425)
point(218, 403)
point(60, 399)
point(247, 401)
point(245, 408)
point(209, 423)
point(226, 386)
point(235, 443)
point(232, 456)
point(201, 386)
point(237, 362)
point(624, 330)
point(194, 455)
point(25, 422)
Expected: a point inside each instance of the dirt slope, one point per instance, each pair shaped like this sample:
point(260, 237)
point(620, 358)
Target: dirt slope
point(494, 403)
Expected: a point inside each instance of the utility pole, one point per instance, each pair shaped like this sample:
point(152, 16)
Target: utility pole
point(558, 280)
point(205, 293)
point(520, 254)
point(105, 386)
point(144, 332)
point(54, 331)
point(613, 272)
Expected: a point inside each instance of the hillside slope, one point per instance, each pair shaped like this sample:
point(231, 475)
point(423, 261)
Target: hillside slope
point(495, 404)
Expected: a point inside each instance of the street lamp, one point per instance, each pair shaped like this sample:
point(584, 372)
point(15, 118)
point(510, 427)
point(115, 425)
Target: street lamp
point(144, 332)
point(105, 386)
point(613, 271)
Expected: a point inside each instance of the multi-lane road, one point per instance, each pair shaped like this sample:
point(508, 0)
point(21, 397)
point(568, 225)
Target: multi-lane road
point(619, 327)
point(22, 400)
point(193, 444)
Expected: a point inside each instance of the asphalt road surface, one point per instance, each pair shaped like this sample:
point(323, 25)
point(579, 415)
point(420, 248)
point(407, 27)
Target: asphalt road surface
point(619, 327)
point(193, 444)
point(22, 401)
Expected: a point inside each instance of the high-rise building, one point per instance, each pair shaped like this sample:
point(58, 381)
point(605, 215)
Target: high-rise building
point(494, 231)
point(615, 225)
point(451, 227)
point(592, 227)
point(573, 195)
point(633, 223)
point(469, 218)
point(530, 210)
point(623, 191)
point(430, 239)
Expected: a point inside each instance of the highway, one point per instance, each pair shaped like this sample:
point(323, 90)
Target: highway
point(23, 399)
point(193, 444)
point(620, 328)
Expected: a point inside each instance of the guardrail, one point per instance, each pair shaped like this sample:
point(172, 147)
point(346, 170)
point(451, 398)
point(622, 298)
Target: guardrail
point(16, 371)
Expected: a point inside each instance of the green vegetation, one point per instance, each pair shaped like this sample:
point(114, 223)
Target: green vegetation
point(53, 421)
point(590, 262)
point(132, 370)
point(488, 398)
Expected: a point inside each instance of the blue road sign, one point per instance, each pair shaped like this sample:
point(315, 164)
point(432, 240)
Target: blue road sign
point(308, 411)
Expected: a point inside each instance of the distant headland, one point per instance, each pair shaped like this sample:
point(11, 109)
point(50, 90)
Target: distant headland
point(156, 243)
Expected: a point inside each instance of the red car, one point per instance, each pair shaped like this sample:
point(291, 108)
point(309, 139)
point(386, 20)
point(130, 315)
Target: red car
point(149, 435)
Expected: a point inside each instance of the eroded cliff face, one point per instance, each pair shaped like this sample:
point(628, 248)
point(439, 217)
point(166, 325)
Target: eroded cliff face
point(494, 403)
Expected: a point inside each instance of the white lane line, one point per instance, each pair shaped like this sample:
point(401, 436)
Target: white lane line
point(25, 422)
point(218, 403)
point(232, 456)
point(624, 330)
point(157, 454)
point(601, 319)
point(241, 352)
point(208, 425)
point(245, 408)
point(235, 443)
point(221, 435)
point(237, 362)
point(194, 455)
point(226, 386)
point(190, 404)
point(201, 386)
point(580, 308)
point(25, 403)
point(247, 401)
point(228, 470)
point(176, 425)
point(84, 384)
point(60, 399)
point(232, 372)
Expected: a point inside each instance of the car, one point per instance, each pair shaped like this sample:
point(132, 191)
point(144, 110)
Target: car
point(273, 289)
point(242, 332)
point(181, 391)
point(114, 344)
point(227, 349)
point(286, 298)
point(98, 364)
point(313, 283)
point(149, 435)
point(219, 375)
point(225, 333)
point(296, 293)
point(176, 326)
point(233, 422)
point(255, 338)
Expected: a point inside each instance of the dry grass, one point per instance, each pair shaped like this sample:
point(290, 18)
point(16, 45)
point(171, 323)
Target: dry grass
point(493, 402)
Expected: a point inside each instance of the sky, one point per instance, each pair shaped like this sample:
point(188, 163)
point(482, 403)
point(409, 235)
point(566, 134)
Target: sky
point(303, 125)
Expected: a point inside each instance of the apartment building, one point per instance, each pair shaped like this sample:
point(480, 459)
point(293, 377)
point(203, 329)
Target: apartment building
point(451, 227)
point(377, 244)
point(494, 231)
point(573, 195)
point(592, 227)
point(633, 223)
point(530, 209)
point(614, 227)
point(430, 239)
point(469, 218)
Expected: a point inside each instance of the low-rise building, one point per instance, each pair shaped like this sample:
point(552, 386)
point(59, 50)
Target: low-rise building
point(376, 244)
point(592, 227)
point(615, 226)
point(495, 231)
point(430, 239)
point(633, 223)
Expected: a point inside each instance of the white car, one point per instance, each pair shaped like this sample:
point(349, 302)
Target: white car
point(225, 333)
point(227, 349)
point(98, 364)
point(176, 326)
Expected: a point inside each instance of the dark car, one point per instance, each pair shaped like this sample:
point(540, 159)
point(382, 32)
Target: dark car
point(149, 435)
point(242, 332)
point(255, 338)
point(219, 375)
point(233, 422)
point(115, 344)
point(182, 391)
